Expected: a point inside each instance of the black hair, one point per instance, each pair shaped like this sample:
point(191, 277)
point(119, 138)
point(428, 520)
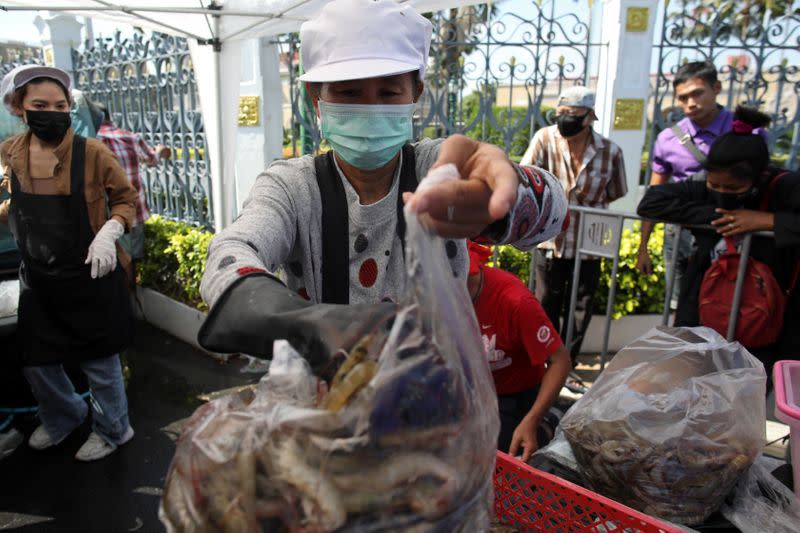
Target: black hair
point(705, 70)
point(742, 154)
point(19, 94)
point(315, 87)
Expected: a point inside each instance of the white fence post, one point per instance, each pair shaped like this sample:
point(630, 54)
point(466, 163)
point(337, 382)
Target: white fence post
point(623, 84)
point(272, 88)
point(259, 139)
point(59, 34)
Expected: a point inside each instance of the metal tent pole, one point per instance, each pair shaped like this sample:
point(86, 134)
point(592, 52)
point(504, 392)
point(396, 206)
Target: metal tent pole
point(673, 272)
point(224, 218)
point(737, 293)
point(573, 299)
point(612, 294)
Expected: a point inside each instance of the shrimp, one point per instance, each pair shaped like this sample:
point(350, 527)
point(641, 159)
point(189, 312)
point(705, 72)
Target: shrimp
point(322, 502)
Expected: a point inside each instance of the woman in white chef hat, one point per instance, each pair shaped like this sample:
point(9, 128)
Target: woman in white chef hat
point(334, 223)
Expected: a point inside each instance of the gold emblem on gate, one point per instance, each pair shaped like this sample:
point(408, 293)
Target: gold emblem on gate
point(636, 19)
point(248, 111)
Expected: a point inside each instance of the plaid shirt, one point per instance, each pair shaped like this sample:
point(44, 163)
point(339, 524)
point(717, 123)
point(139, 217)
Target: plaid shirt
point(129, 148)
point(599, 181)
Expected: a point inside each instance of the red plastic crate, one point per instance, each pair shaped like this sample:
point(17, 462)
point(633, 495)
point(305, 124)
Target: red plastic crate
point(532, 500)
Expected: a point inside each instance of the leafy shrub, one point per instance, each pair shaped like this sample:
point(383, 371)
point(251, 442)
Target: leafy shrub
point(506, 120)
point(519, 140)
point(635, 294)
point(174, 259)
point(515, 261)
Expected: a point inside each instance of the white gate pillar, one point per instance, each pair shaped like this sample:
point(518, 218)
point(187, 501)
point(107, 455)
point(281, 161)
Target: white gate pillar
point(59, 34)
point(272, 88)
point(260, 132)
point(623, 85)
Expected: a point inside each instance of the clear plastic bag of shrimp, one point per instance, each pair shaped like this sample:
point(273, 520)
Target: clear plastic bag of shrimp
point(9, 297)
point(760, 502)
point(671, 424)
point(401, 438)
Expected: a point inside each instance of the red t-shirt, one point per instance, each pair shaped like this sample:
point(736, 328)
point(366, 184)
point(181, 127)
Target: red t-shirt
point(517, 335)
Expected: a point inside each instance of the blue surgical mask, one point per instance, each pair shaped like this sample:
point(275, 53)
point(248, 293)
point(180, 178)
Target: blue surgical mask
point(366, 136)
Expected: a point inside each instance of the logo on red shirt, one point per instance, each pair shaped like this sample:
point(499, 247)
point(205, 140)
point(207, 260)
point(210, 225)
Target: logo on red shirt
point(543, 335)
point(497, 357)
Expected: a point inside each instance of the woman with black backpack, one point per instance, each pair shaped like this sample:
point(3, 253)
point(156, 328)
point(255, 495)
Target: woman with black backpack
point(739, 193)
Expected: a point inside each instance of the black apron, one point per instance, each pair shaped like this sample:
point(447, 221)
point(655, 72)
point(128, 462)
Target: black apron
point(64, 315)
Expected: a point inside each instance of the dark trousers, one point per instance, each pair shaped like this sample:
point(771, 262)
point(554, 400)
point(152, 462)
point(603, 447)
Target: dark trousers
point(554, 288)
point(513, 408)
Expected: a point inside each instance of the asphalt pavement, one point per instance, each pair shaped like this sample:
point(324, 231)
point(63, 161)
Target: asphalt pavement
point(50, 491)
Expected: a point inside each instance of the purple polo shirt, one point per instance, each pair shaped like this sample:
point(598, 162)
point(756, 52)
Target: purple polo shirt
point(671, 157)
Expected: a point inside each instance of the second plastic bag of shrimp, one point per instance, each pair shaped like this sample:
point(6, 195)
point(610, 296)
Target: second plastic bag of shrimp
point(671, 424)
point(402, 438)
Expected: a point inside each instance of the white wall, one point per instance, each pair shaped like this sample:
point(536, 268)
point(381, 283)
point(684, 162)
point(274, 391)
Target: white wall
point(249, 139)
point(624, 74)
point(257, 146)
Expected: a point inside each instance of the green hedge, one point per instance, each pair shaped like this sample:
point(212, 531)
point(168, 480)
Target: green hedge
point(636, 294)
point(513, 260)
point(174, 260)
point(506, 118)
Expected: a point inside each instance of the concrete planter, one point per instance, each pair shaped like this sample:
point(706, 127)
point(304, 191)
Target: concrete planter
point(176, 318)
point(622, 332)
point(183, 322)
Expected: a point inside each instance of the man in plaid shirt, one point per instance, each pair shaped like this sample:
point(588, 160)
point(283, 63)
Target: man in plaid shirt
point(592, 172)
point(130, 148)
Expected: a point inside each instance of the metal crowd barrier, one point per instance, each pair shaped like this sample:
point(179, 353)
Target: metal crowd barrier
point(600, 234)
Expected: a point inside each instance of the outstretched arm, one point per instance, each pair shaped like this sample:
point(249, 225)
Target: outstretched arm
point(494, 197)
point(684, 202)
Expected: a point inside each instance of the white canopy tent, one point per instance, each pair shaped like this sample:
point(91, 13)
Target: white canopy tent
point(215, 31)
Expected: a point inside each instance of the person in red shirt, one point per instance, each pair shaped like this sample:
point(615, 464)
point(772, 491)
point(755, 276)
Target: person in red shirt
point(529, 363)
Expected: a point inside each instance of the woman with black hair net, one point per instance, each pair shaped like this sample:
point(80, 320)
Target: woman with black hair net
point(69, 203)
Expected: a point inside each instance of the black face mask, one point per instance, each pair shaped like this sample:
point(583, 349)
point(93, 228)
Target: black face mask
point(49, 126)
point(730, 201)
point(570, 125)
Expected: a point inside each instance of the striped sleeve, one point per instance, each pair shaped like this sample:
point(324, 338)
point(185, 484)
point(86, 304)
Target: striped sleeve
point(145, 152)
point(617, 186)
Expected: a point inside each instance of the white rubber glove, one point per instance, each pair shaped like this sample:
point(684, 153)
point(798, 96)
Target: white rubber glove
point(103, 252)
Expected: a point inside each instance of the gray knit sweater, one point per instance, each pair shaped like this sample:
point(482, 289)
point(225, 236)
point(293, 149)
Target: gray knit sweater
point(279, 230)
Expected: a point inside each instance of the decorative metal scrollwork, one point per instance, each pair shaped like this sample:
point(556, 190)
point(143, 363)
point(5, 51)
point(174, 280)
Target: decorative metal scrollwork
point(488, 75)
point(148, 85)
point(757, 64)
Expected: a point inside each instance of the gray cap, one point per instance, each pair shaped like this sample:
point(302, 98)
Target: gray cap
point(25, 73)
point(577, 96)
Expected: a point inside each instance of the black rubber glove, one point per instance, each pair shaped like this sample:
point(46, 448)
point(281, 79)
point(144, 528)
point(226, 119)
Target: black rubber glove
point(258, 309)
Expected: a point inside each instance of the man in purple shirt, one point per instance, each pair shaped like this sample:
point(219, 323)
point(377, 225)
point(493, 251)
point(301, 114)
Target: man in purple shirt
point(678, 153)
point(672, 159)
